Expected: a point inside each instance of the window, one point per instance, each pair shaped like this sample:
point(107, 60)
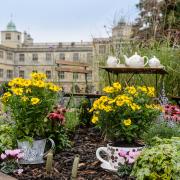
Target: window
point(89, 76)
point(9, 55)
point(21, 57)
point(75, 75)
point(18, 37)
point(35, 57)
point(89, 58)
point(21, 73)
point(9, 74)
point(1, 73)
point(1, 54)
point(8, 36)
point(48, 74)
point(62, 56)
point(75, 56)
point(102, 49)
point(48, 56)
point(61, 75)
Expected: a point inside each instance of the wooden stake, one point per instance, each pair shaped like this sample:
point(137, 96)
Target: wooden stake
point(49, 162)
point(75, 167)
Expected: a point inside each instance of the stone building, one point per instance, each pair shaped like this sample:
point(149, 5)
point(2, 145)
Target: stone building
point(20, 56)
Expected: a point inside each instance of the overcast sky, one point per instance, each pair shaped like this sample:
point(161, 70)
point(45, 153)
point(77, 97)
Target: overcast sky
point(65, 20)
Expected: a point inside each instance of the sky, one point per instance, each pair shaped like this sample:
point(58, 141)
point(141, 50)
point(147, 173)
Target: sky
point(66, 20)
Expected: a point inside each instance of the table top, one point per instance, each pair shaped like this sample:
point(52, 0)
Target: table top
point(89, 95)
point(139, 70)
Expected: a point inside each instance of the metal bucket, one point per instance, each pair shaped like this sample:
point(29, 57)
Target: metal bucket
point(34, 151)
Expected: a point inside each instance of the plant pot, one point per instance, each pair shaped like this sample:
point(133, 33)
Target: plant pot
point(114, 160)
point(34, 151)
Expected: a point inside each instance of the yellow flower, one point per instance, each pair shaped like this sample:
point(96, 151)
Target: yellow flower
point(35, 101)
point(131, 90)
point(135, 106)
point(38, 76)
point(127, 122)
point(6, 96)
point(24, 98)
point(17, 91)
point(28, 90)
point(151, 91)
point(108, 89)
point(27, 83)
point(117, 86)
point(94, 119)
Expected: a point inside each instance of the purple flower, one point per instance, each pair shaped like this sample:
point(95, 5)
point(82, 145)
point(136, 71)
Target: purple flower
point(131, 160)
point(7, 152)
point(15, 152)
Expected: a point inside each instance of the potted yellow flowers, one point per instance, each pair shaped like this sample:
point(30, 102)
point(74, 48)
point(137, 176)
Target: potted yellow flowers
point(29, 102)
point(123, 115)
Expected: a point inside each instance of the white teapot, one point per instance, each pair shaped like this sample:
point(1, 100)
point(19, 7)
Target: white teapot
point(112, 61)
point(154, 62)
point(135, 60)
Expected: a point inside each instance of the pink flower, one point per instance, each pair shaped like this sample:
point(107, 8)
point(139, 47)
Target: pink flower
point(15, 152)
point(134, 154)
point(131, 160)
point(122, 153)
point(7, 152)
point(19, 171)
point(3, 156)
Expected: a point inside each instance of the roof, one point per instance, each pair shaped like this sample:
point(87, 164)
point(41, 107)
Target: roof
point(11, 26)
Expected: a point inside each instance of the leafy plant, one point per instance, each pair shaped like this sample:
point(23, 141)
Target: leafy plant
point(55, 128)
point(161, 129)
point(125, 113)
point(6, 137)
point(159, 162)
point(29, 101)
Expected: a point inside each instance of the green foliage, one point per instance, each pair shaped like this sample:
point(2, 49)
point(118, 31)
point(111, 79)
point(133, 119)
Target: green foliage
point(124, 170)
point(161, 129)
point(72, 119)
point(8, 167)
point(159, 162)
point(6, 137)
point(84, 114)
point(60, 137)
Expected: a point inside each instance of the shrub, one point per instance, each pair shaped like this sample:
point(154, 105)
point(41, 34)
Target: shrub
point(160, 161)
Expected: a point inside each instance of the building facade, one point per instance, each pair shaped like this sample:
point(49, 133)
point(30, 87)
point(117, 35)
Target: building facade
point(20, 56)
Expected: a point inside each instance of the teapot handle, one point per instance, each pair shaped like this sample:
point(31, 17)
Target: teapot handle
point(147, 60)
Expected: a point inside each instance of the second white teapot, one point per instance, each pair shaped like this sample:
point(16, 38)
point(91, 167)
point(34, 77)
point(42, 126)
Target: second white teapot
point(154, 62)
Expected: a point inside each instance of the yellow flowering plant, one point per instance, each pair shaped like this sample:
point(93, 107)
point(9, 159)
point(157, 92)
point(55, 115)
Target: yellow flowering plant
point(29, 102)
point(123, 114)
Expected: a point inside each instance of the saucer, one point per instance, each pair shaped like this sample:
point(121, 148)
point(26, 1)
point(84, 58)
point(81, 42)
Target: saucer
point(106, 167)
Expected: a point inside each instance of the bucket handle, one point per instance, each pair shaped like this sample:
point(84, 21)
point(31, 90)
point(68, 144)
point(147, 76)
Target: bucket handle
point(51, 148)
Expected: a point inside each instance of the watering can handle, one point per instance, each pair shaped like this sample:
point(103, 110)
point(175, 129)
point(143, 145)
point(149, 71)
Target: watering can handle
point(52, 147)
point(147, 60)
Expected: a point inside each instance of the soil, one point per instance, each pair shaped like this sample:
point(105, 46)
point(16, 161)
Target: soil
point(85, 142)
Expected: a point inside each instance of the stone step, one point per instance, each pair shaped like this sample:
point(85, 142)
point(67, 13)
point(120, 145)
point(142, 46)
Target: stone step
point(6, 177)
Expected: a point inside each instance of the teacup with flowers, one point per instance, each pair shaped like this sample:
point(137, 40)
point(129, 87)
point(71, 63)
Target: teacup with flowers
point(124, 113)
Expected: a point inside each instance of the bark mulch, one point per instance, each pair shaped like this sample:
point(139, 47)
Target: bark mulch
point(85, 142)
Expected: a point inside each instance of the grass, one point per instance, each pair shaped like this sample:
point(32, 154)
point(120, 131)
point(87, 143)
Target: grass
point(72, 120)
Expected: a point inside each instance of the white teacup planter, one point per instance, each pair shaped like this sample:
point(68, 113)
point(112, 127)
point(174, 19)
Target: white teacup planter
point(116, 156)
